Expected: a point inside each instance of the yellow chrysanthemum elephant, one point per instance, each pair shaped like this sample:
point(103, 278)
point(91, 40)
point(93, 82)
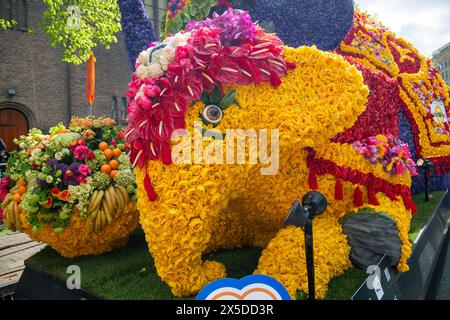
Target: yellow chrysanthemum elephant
point(202, 207)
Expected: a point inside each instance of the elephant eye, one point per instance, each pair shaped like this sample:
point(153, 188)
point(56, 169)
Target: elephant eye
point(212, 114)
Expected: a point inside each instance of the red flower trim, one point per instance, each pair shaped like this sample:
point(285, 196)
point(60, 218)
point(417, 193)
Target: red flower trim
point(372, 183)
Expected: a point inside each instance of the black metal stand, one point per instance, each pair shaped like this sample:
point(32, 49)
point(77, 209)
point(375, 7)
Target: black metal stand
point(309, 252)
point(427, 188)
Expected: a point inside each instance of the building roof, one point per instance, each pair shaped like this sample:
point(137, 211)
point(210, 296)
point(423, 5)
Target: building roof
point(441, 49)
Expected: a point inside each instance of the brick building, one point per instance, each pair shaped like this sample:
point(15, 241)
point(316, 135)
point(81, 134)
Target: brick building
point(441, 59)
point(38, 90)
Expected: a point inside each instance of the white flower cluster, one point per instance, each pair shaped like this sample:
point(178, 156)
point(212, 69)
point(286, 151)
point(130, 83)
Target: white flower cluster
point(81, 197)
point(153, 62)
point(61, 154)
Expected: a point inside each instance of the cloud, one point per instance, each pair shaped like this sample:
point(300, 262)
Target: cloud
point(425, 24)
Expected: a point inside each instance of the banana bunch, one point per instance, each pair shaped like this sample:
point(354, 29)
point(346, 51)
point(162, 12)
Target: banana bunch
point(11, 211)
point(105, 206)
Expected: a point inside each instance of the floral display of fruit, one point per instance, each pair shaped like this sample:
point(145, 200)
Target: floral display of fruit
point(73, 188)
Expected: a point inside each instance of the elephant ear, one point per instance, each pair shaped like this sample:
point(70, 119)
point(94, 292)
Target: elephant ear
point(323, 23)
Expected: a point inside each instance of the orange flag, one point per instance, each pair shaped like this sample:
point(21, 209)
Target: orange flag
point(90, 80)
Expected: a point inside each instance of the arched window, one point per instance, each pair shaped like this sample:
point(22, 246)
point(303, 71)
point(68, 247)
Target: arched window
point(21, 14)
point(5, 9)
point(114, 108)
point(123, 111)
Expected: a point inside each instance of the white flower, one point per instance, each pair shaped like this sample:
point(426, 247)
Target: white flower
point(180, 39)
point(35, 153)
point(141, 71)
point(58, 156)
point(143, 57)
point(49, 179)
point(154, 70)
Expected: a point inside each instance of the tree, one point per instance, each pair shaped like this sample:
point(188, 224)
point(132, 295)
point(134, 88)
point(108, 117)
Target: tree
point(78, 31)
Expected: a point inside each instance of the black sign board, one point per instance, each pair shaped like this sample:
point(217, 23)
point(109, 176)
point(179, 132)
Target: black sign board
point(380, 284)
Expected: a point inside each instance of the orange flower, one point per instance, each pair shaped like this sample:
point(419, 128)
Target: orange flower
point(63, 195)
point(86, 123)
point(88, 134)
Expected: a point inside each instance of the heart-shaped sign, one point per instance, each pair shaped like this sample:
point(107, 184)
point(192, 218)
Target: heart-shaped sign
point(254, 287)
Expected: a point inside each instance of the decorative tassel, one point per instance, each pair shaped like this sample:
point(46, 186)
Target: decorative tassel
point(358, 197)
point(166, 154)
point(338, 190)
point(151, 194)
point(409, 204)
point(438, 170)
point(372, 197)
point(312, 180)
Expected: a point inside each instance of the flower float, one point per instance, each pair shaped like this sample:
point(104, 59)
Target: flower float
point(72, 189)
point(423, 97)
point(190, 90)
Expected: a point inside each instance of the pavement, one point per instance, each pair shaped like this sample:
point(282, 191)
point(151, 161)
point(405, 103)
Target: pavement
point(15, 248)
point(440, 283)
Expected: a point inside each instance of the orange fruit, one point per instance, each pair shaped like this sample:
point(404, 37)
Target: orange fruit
point(103, 146)
point(22, 189)
point(114, 164)
point(108, 153)
point(117, 152)
point(106, 168)
point(114, 173)
point(22, 182)
point(17, 197)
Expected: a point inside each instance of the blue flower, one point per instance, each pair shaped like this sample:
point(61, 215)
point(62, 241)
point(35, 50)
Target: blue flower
point(324, 23)
point(136, 28)
point(436, 182)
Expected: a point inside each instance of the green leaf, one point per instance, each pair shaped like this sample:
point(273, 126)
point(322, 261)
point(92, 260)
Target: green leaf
point(227, 100)
point(205, 99)
point(216, 96)
point(192, 10)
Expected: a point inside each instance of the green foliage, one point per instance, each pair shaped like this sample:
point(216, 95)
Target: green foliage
point(6, 24)
point(196, 10)
point(99, 21)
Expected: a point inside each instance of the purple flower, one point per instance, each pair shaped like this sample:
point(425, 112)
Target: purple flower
point(42, 183)
point(235, 27)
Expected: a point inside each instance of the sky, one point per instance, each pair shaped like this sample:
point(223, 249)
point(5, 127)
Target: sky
point(424, 23)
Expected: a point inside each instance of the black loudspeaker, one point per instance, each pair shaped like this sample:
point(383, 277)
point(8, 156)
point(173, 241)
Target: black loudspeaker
point(315, 203)
point(297, 215)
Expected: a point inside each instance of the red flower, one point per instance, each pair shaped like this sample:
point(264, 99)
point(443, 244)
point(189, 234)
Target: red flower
point(181, 52)
point(55, 191)
point(176, 106)
point(151, 90)
point(49, 203)
point(144, 103)
point(191, 88)
point(225, 69)
point(140, 152)
point(133, 86)
point(161, 129)
point(205, 48)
